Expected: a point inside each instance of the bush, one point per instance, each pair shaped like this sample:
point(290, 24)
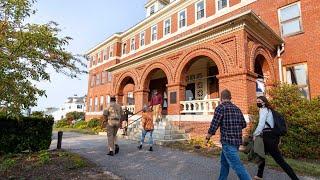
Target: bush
point(303, 120)
point(94, 123)
point(80, 125)
point(27, 133)
point(63, 123)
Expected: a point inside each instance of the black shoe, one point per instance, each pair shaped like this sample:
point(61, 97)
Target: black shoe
point(117, 149)
point(140, 147)
point(110, 153)
point(151, 149)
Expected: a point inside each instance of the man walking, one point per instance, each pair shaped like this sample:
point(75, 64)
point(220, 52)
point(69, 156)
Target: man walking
point(230, 119)
point(125, 120)
point(156, 103)
point(112, 114)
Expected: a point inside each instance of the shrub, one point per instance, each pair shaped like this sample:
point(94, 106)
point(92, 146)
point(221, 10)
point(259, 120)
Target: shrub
point(27, 133)
point(63, 123)
point(94, 123)
point(80, 125)
point(303, 120)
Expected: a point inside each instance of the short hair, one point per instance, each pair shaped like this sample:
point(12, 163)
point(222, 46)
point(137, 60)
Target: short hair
point(113, 99)
point(145, 108)
point(226, 94)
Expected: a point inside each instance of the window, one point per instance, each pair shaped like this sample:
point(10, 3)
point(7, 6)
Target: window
point(167, 26)
point(154, 33)
point(151, 10)
point(130, 98)
point(90, 105)
point(124, 47)
point(93, 78)
point(290, 19)
point(98, 79)
point(200, 10)
point(222, 4)
point(104, 77)
point(79, 106)
point(99, 57)
point(107, 99)
point(142, 39)
point(101, 102)
point(105, 55)
point(298, 75)
point(132, 44)
point(111, 52)
point(109, 76)
point(96, 104)
point(182, 19)
point(91, 61)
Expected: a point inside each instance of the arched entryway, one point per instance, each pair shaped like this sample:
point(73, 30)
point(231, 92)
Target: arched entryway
point(125, 92)
point(156, 80)
point(199, 76)
point(262, 70)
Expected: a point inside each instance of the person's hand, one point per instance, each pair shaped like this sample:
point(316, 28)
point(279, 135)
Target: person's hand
point(208, 137)
point(254, 138)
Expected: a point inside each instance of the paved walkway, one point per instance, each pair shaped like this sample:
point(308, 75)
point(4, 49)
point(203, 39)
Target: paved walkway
point(162, 163)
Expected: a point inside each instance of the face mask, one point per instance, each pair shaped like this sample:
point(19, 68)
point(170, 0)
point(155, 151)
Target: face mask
point(259, 105)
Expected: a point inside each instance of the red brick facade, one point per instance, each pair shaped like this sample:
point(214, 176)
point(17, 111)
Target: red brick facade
point(235, 40)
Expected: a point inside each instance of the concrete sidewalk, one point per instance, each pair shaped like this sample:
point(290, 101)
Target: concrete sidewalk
point(162, 163)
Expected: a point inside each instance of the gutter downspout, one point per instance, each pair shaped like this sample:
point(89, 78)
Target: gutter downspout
point(280, 50)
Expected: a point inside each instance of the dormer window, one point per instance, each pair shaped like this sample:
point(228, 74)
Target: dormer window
point(152, 10)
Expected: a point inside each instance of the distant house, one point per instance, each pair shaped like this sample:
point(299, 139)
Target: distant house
point(72, 104)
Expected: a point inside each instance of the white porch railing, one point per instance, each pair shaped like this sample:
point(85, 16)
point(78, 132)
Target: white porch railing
point(199, 106)
point(131, 108)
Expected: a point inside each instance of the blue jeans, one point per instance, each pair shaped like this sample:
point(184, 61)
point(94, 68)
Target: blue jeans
point(230, 158)
point(144, 132)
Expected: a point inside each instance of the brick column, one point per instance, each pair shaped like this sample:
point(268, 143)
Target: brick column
point(242, 87)
point(140, 98)
point(178, 91)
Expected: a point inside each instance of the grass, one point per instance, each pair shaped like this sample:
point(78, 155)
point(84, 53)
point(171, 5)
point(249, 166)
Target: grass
point(198, 146)
point(82, 131)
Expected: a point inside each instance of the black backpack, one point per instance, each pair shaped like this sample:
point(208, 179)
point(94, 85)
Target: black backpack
point(280, 126)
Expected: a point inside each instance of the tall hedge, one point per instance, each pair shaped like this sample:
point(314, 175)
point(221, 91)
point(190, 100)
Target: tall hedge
point(27, 133)
point(303, 120)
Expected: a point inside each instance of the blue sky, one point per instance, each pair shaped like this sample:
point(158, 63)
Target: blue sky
point(88, 22)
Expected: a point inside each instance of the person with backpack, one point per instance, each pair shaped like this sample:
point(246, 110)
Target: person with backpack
point(271, 126)
point(125, 120)
point(112, 115)
point(231, 121)
point(148, 127)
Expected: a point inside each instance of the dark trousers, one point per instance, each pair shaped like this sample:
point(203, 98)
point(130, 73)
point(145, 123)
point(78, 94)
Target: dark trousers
point(271, 143)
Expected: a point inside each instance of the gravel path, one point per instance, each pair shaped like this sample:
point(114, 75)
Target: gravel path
point(162, 163)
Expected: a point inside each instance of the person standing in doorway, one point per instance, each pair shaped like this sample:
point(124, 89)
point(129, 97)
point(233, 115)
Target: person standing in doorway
point(148, 127)
point(156, 105)
point(230, 119)
point(270, 139)
point(112, 114)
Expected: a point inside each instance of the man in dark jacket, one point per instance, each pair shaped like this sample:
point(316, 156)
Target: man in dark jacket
point(230, 119)
point(125, 120)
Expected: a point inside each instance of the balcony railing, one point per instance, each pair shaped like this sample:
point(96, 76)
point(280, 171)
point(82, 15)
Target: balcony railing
point(199, 106)
point(131, 108)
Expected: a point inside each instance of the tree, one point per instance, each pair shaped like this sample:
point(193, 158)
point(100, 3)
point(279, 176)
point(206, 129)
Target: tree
point(27, 50)
point(75, 116)
point(37, 114)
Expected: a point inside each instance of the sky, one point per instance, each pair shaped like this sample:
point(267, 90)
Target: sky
point(88, 22)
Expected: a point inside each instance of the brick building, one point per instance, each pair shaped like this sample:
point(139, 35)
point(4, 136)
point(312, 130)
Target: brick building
point(190, 50)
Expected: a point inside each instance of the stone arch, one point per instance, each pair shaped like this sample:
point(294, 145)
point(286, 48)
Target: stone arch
point(144, 78)
point(216, 55)
point(122, 77)
point(260, 51)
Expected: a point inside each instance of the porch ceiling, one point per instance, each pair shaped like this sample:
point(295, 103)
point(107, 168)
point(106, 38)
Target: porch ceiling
point(247, 20)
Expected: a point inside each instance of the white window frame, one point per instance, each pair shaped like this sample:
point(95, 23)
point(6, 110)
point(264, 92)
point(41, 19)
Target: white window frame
point(185, 19)
point(110, 51)
point(300, 20)
point(99, 57)
point(196, 10)
point(105, 55)
point(101, 103)
point(154, 10)
point(152, 27)
point(96, 104)
point(164, 27)
point(144, 38)
point(132, 45)
point(124, 47)
point(223, 9)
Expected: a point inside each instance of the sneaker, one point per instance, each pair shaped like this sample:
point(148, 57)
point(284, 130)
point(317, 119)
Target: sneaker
point(110, 153)
point(151, 149)
point(117, 149)
point(140, 147)
point(257, 178)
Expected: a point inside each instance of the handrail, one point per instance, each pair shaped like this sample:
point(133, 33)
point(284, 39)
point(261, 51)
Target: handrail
point(132, 122)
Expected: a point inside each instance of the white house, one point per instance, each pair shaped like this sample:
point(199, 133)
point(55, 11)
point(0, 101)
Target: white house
point(72, 104)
